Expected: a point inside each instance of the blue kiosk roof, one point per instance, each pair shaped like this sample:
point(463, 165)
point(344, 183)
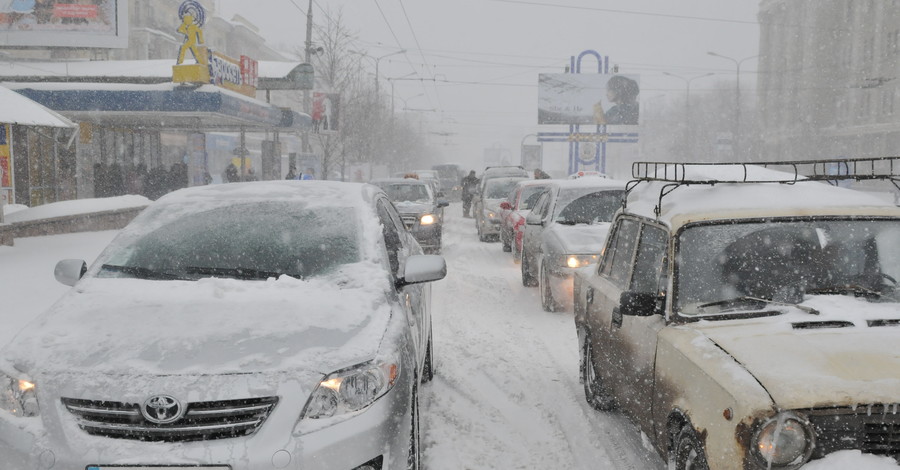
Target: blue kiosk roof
point(162, 106)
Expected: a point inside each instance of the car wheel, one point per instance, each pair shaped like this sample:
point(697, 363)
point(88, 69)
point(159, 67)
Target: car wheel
point(688, 453)
point(528, 278)
point(547, 301)
point(412, 459)
point(517, 254)
point(428, 370)
point(594, 391)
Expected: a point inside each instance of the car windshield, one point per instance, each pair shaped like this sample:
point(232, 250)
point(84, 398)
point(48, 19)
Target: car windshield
point(404, 192)
point(499, 188)
point(735, 267)
point(589, 208)
point(245, 241)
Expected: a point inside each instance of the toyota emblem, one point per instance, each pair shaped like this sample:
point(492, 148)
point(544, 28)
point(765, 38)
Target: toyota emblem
point(162, 409)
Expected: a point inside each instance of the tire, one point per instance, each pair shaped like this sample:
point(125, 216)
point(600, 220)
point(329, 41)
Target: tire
point(507, 247)
point(547, 301)
point(688, 452)
point(517, 255)
point(594, 392)
point(528, 278)
point(428, 370)
point(413, 458)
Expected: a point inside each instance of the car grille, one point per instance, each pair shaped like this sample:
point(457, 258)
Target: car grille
point(874, 429)
point(409, 221)
point(201, 421)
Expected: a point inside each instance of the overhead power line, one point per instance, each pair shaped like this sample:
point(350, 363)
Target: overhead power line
point(628, 12)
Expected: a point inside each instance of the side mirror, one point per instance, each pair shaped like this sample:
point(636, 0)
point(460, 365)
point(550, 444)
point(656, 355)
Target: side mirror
point(533, 219)
point(442, 203)
point(638, 304)
point(423, 268)
point(69, 271)
point(505, 206)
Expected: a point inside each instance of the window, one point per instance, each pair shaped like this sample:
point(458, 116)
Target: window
point(617, 263)
point(392, 237)
point(650, 259)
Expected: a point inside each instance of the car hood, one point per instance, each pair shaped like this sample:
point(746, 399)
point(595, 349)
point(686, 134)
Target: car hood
point(407, 207)
point(845, 356)
point(579, 239)
point(493, 204)
point(211, 326)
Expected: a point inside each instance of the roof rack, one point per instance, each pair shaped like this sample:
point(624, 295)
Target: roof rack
point(831, 171)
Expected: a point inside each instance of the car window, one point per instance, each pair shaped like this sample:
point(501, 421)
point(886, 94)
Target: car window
point(648, 264)
point(268, 238)
point(392, 236)
point(617, 262)
point(591, 208)
point(540, 207)
point(529, 197)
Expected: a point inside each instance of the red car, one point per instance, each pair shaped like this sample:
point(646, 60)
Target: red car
point(513, 212)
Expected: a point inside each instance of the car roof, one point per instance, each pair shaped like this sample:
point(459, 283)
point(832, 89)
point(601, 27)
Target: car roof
point(314, 193)
point(399, 181)
point(782, 194)
point(599, 183)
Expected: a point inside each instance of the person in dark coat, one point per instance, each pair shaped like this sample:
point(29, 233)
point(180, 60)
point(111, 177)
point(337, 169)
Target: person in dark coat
point(231, 173)
point(469, 184)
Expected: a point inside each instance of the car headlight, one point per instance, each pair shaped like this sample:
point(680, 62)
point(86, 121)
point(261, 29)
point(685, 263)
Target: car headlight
point(578, 261)
point(18, 396)
point(352, 389)
point(784, 441)
point(427, 219)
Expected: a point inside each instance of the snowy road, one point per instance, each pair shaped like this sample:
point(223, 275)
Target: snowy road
point(506, 394)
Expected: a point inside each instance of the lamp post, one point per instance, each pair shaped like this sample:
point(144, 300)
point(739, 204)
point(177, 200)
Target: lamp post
point(392, 80)
point(687, 106)
point(377, 60)
point(737, 98)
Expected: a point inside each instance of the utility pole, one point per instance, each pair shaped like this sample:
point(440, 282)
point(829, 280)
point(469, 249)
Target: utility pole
point(308, 47)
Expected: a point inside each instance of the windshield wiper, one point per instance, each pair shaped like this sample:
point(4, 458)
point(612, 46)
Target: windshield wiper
point(237, 273)
point(141, 272)
point(747, 299)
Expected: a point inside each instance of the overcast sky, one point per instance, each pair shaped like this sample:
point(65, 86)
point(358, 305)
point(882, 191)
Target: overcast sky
point(478, 60)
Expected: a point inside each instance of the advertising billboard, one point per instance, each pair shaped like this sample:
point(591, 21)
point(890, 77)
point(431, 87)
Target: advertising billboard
point(583, 98)
point(64, 23)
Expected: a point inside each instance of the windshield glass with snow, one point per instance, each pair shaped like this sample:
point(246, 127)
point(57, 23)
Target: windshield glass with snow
point(738, 267)
point(499, 188)
point(589, 208)
point(243, 241)
point(400, 192)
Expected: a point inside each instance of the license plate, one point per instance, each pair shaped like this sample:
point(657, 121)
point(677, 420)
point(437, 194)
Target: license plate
point(158, 467)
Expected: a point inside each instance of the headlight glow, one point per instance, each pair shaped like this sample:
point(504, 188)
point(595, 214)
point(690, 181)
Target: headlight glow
point(579, 261)
point(18, 397)
point(427, 219)
point(784, 441)
point(352, 389)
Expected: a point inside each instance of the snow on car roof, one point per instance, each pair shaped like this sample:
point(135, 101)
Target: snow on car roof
point(314, 193)
point(693, 202)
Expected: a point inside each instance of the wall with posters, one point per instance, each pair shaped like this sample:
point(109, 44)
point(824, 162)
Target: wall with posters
point(6, 169)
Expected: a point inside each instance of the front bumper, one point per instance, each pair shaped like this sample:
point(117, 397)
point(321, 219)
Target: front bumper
point(55, 441)
point(428, 236)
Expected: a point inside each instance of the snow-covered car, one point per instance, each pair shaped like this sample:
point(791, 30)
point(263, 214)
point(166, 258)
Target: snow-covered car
point(747, 318)
point(513, 212)
point(420, 208)
point(487, 206)
point(246, 326)
point(490, 173)
point(564, 232)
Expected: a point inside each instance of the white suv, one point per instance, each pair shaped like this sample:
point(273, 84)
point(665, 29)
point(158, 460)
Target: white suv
point(747, 318)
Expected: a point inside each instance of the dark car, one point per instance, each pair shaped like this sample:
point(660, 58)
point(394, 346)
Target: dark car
point(419, 207)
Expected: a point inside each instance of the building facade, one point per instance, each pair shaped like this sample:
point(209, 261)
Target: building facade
point(829, 78)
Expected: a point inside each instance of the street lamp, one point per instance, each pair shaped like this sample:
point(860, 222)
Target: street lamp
point(737, 97)
point(392, 80)
point(377, 60)
point(687, 105)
